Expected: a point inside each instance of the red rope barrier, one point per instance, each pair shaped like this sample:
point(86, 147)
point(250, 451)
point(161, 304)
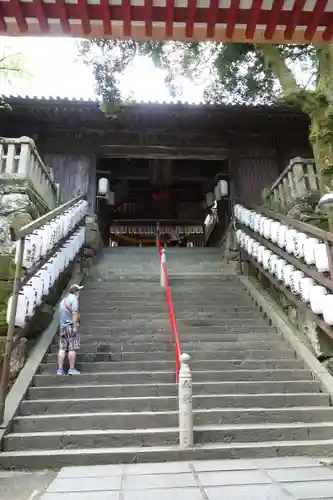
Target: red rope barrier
point(174, 336)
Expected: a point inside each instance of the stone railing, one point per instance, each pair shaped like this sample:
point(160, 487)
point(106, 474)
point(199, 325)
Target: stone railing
point(20, 161)
point(298, 180)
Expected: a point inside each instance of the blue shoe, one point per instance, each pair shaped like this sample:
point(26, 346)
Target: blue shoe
point(73, 371)
point(60, 371)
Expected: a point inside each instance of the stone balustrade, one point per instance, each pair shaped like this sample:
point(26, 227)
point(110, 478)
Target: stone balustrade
point(20, 160)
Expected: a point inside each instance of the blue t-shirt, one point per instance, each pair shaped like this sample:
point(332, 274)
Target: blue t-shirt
point(66, 318)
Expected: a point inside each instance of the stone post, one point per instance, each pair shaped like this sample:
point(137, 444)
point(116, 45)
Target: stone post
point(185, 403)
point(162, 274)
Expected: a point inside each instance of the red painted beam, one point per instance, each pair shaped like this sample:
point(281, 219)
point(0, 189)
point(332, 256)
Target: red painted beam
point(294, 19)
point(191, 11)
point(106, 16)
point(169, 17)
point(19, 16)
point(316, 19)
point(231, 23)
point(149, 17)
point(213, 11)
point(85, 20)
point(126, 16)
point(273, 19)
point(254, 18)
point(3, 24)
point(61, 13)
point(42, 19)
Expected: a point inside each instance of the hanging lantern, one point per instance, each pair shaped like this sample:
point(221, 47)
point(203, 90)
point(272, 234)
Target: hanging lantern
point(260, 254)
point(296, 279)
point(21, 310)
point(275, 226)
point(287, 273)
point(280, 269)
point(299, 245)
point(328, 309)
point(291, 240)
point(309, 250)
point(267, 228)
point(306, 285)
point(221, 190)
point(317, 295)
point(266, 258)
point(282, 236)
point(321, 258)
point(103, 186)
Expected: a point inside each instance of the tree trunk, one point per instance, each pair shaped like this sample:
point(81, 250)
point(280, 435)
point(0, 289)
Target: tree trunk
point(321, 140)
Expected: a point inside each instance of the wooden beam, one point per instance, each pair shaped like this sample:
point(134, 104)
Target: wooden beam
point(128, 151)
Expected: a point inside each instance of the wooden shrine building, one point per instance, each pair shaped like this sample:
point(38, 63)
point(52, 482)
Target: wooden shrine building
point(160, 159)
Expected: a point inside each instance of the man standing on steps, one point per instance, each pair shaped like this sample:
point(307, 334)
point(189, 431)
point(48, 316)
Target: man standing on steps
point(69, 334)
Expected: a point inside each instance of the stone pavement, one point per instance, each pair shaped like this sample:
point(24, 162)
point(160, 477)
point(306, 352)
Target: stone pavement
point(258, 479)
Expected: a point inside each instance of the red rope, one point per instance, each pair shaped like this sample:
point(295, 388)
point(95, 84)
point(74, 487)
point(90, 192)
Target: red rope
point(174, 336)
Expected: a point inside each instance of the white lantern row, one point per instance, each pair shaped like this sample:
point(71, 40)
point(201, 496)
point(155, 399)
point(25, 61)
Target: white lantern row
point(310, 292)
point(39, 286)
point(296, 243)
point(41, 241)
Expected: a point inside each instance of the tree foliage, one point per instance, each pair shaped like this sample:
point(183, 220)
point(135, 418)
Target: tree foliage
point(234, 73)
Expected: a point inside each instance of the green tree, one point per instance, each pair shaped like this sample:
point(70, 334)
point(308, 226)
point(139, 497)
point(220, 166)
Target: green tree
point(301, 75)
point(13, 71)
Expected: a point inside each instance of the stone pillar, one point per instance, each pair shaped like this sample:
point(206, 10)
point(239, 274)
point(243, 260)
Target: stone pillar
point(185, 403)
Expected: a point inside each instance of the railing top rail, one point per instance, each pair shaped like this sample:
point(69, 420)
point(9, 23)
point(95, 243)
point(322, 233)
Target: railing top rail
point(301, 226)
point(289, 167)
point(36, 224)
point(31, 142)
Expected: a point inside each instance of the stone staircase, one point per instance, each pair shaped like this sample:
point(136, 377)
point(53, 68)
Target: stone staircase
point(252, 396)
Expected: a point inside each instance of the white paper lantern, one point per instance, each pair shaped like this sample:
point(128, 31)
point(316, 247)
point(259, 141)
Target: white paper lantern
point(267, 228)
point(296, 279)
point(328, 309)
point(306, 285)
point(287, 274)
point(21, 310)
point(103, 186)
point(257, 220)
point(30, 294)
point(309, 250)
point(321, 258)
point(282, 236)
point(266, 258)
point(238, 235)
point(37, 284)
point(255, 248)
point(280, 269)
point(273, 264)
point(299, 246)
point(221, 190)
point(317, 295)
point(291, 240)
point(260, 254)
point(275, 231)
point(262, 225)
point(236, 211)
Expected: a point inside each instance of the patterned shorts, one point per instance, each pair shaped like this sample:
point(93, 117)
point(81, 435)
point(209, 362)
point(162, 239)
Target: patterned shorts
point(69, 340)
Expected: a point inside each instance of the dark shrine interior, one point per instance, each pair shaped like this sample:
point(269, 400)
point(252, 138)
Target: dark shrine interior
point(152, 190)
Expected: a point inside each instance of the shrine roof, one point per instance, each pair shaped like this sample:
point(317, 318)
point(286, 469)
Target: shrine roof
point(272, 21)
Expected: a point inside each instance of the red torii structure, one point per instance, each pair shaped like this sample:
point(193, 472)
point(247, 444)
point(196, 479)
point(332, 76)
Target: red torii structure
point(270, 21)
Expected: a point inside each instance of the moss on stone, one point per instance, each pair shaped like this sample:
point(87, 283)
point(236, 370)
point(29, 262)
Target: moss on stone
point(7, 268)
point(19, 219)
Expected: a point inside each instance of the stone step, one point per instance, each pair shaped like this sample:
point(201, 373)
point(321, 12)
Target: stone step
point(163, 342)
point(142, 420)
point(107, 335)
point(42, 459)
point(168, 352)
point(302, 383)
point(203, 361)
point(59, 406)
point(168, 436)
point(248, 371)
point(190, 319)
